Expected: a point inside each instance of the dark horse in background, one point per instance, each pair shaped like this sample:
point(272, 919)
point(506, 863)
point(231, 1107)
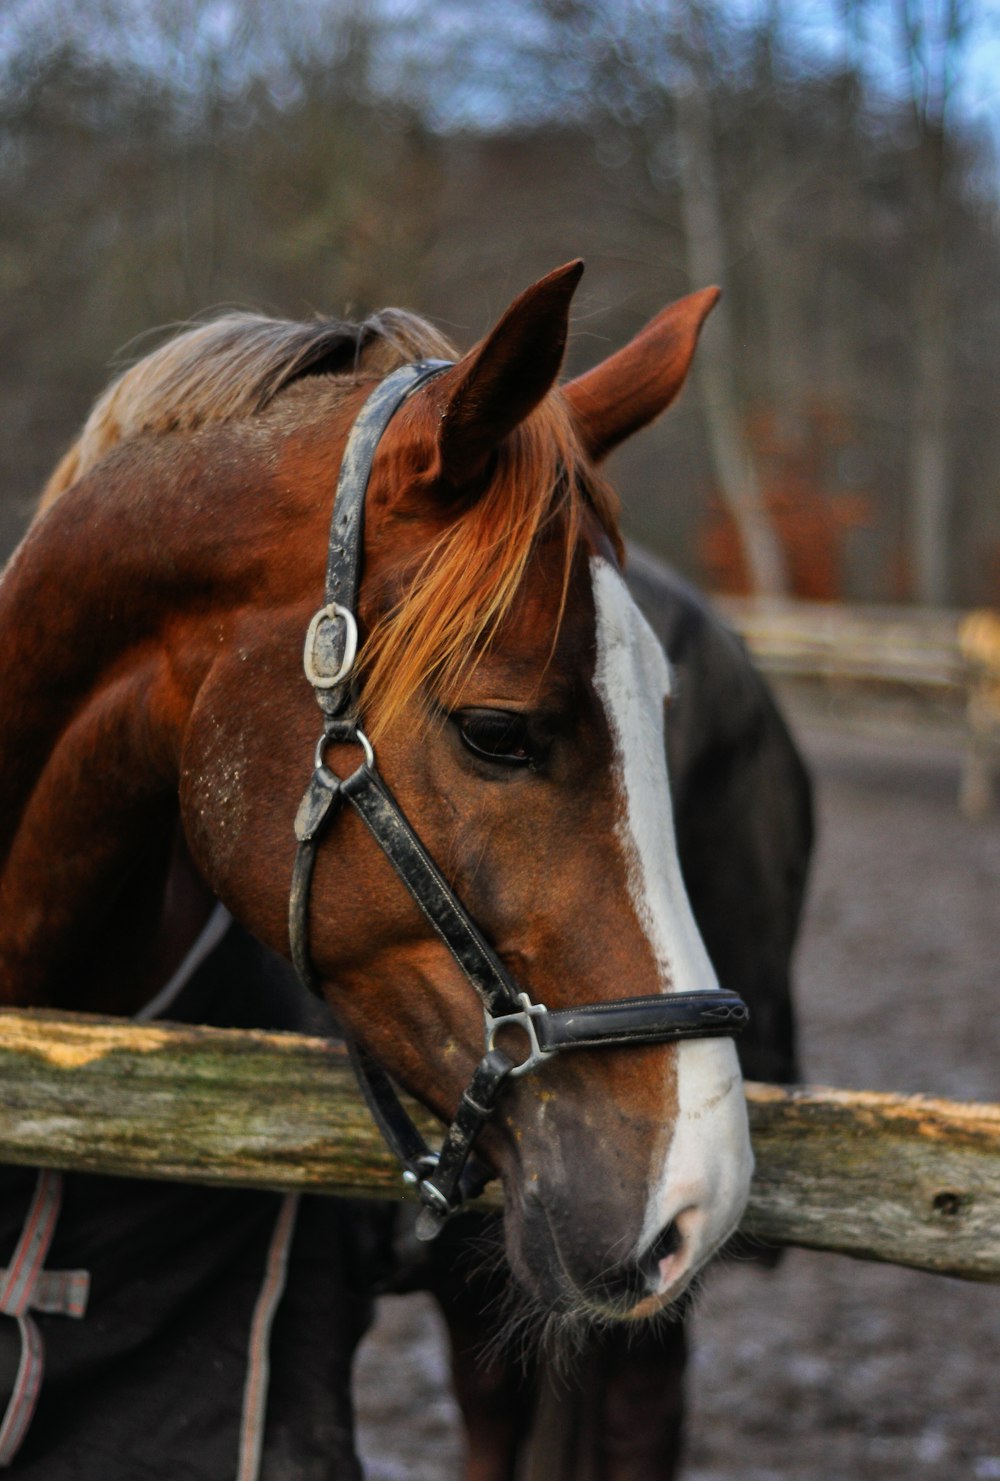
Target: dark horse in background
point(152, 744)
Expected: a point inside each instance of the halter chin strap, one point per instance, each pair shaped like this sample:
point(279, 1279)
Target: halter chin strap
point(443, 1179)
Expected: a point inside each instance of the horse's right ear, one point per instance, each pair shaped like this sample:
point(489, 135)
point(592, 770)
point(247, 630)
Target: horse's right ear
point(497, 384)
point(630, 388)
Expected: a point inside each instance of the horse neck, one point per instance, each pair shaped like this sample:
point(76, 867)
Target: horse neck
point(111, 615)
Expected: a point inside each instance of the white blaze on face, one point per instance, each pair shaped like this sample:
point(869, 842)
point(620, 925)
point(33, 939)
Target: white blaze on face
point(705, 1177)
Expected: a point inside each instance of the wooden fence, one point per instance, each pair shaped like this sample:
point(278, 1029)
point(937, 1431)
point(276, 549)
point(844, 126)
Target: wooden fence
point(905, 1179)
point(949, 655)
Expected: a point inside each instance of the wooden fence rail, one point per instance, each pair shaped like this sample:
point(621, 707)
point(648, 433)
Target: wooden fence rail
point(907, 1179)
point(888, 645)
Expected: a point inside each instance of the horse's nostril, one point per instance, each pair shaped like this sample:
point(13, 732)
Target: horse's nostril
point(667, 1243)
point(631, 1283)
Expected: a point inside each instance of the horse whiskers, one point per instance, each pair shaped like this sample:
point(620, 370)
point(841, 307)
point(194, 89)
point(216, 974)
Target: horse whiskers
point(515, 1328)
point(524, 1331)
point(742, 1249)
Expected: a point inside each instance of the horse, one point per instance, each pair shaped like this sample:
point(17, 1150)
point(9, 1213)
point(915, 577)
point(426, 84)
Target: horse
point(515, 696)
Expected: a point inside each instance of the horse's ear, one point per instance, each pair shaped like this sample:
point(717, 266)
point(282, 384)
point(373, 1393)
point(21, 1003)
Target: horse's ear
point(630, 388)
point(496, 385)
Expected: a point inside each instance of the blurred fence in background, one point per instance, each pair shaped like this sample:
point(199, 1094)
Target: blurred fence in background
point(948, 659)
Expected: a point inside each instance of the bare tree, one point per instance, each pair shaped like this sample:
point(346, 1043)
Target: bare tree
point(732, 456)
point(157, 159)
point(932, 33)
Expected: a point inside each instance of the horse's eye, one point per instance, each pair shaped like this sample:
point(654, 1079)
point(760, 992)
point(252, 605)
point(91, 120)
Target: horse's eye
point(497, 735)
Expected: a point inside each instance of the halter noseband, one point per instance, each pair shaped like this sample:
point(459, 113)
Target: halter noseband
point(446, 1178)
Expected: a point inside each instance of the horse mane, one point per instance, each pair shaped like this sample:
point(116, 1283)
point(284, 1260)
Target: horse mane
point(466, 584)
point(463, 587)
point(232, 367)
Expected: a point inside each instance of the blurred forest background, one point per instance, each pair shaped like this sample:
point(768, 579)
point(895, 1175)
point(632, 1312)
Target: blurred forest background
point(160, 158)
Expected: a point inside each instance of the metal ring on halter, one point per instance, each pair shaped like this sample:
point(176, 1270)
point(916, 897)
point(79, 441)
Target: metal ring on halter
point(522, 1020)
point(356, 735)
point(316, 675)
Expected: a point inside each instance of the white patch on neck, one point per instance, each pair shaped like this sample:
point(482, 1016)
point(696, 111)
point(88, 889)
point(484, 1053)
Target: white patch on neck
point(632, 678)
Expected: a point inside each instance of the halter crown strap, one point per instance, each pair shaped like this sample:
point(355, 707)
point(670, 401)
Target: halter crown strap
point(331, 642)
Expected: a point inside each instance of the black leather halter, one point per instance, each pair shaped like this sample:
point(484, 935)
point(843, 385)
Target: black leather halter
point(443, 1179)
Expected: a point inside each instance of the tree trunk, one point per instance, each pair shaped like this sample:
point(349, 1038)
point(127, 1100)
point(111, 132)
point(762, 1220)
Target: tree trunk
point(732, 456)
point(930, 482)
point(932, 39)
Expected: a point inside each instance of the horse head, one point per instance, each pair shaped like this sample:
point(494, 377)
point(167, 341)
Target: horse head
point(516, 701)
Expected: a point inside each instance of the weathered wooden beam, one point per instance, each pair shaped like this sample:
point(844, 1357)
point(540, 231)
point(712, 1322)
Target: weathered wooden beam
point(916, 647)
point(907, 1179)
point(197, 1104)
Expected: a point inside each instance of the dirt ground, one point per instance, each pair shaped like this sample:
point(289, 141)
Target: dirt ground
point(827, 1369)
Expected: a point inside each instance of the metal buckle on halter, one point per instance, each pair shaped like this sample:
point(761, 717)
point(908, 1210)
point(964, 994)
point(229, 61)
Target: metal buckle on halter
point(326, 660)
point(524, 1020)
point(425, 1166)
point(434, 1201)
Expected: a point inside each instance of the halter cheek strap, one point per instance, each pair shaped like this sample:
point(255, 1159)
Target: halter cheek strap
point(443, 1179)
